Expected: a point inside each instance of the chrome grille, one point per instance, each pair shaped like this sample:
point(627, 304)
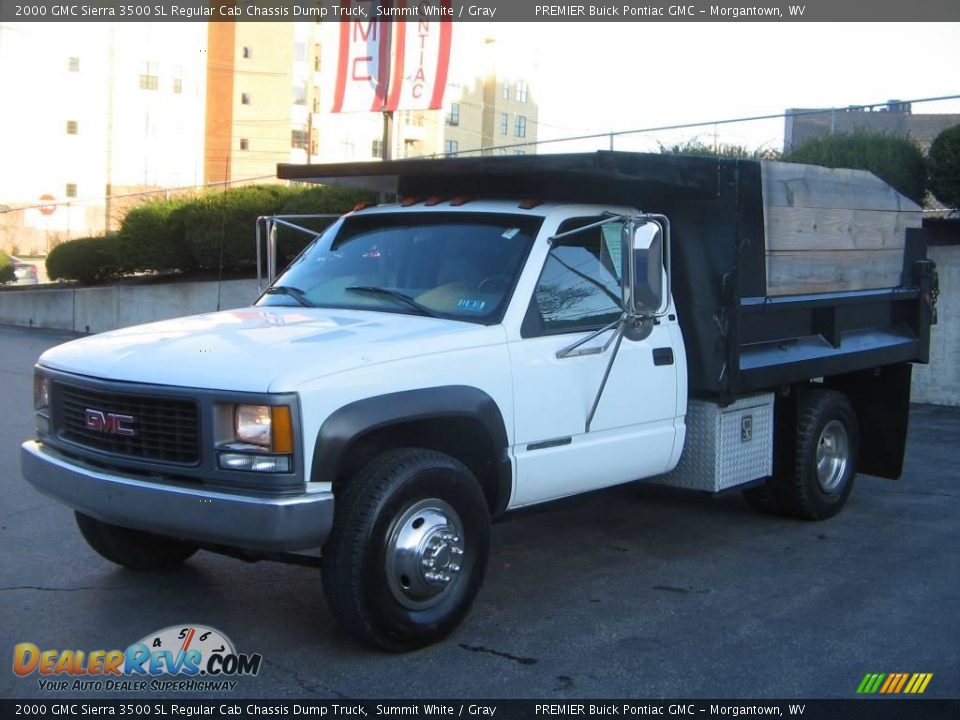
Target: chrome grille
point(165, 429)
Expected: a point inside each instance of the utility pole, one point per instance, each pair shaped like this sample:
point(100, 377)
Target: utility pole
point(309, 137)
point(386, 142)
point(109, 139)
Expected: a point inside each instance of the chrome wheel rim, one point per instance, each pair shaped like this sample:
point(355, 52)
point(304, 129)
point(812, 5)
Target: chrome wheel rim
point(425, 554)
point(833, 455)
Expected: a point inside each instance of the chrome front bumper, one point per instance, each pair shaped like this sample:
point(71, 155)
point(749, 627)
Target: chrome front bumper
point(297, 522)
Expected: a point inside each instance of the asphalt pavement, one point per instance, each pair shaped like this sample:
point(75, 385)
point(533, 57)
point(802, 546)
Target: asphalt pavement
point(634, 592)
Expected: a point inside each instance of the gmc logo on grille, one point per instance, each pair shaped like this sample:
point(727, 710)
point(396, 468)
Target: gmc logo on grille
point(109, 423)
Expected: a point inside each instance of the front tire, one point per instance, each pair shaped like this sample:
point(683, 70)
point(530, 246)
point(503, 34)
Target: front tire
point(408, 551)
point(133, 549)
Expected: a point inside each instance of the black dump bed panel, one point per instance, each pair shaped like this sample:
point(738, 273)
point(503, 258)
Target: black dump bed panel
point(738, 339)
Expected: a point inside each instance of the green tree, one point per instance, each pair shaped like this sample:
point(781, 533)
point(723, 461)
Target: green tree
point(896, 160)
point(945, 167)
point(698, 147)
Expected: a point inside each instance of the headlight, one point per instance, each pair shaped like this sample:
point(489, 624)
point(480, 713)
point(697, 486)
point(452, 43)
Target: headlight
point(253, 424)
point(264, 425)
point(41, 392)
point(261, 440)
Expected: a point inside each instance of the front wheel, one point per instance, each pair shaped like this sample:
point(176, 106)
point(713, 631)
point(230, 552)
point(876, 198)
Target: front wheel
point(408, 550)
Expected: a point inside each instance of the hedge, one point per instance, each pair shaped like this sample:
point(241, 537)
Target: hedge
point(945, 167)
point(152, 237)
point(214, 230)
point(6, 268)
point(88, 260)
point(896, 160)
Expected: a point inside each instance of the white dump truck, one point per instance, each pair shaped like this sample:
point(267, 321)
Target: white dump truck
point(510, 331)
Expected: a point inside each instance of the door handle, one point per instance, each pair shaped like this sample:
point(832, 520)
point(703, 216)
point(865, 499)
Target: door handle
point(663, 356)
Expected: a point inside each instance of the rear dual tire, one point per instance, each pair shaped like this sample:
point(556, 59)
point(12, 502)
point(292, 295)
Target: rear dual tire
point(816, 476)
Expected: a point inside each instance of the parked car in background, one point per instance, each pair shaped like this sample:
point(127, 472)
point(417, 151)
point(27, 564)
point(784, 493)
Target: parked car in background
point(26, 273)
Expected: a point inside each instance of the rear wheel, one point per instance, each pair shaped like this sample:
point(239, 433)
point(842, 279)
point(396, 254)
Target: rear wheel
point(133, 549)
point(816, 481)
point(408, 549)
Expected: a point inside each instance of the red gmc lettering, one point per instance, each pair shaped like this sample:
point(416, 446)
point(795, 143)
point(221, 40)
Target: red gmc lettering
point(111, 423)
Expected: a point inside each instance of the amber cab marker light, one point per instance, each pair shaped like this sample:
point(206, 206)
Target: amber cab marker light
point(282, 429)
point(361, 206)
point(458, 201)
point(435, 200)
point(408, 201)
point(529, 204)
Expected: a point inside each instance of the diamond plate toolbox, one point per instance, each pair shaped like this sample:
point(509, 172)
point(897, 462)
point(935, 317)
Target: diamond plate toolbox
point(725, 446)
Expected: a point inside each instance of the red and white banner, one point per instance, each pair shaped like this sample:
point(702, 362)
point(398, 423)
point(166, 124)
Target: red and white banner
point(386, 66)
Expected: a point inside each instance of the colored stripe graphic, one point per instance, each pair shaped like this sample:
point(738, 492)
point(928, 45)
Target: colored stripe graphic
point(894, 683)
point(903, 680)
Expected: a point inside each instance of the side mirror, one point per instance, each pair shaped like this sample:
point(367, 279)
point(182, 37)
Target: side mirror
point(642, 279)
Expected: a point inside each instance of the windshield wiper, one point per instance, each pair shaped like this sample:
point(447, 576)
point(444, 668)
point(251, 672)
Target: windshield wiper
point(296, 293)
point(396, 295)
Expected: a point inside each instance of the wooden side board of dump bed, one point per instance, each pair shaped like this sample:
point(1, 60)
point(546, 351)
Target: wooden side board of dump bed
point(832, 230)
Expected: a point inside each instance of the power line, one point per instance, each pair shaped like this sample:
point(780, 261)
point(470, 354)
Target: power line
point(725, 121)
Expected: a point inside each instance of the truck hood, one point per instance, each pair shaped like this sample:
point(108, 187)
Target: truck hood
point(262, 349)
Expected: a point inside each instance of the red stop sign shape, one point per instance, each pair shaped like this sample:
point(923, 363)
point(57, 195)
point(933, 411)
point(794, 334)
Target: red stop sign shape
point(49, 208)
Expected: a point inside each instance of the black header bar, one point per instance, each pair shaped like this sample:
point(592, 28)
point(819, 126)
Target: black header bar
point(480, 11)
point(240, 709)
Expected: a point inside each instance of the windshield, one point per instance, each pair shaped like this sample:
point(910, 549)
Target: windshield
point(454, 265)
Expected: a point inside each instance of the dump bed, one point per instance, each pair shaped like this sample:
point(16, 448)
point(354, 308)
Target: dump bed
point(781, 272)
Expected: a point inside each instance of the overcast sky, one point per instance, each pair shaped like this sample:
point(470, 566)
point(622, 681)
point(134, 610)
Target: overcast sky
point(596, 77)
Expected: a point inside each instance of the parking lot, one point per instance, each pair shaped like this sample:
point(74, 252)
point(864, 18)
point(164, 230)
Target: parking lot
point(634, 592)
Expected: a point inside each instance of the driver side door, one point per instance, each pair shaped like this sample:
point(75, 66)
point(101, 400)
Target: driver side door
point(633, 431)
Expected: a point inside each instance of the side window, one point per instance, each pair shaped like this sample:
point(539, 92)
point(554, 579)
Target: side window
point(579, 288)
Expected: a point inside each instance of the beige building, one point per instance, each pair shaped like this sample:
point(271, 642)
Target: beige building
point(490, 115)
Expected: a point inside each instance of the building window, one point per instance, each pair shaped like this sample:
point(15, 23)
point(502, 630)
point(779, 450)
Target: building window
point(317, 54)
point(521, 91)
point(313, 146)
point(244, 144)
point(247, 53)
point(505, 90)
point(520, 152)
point(376, 148)
point(149, 75)
point(300, 51)
point(300, 94)
point(520, 129)
point(71, 190)
point(453, 117)
point(451, 146)
point(348, 149)
point(245, 98)
point(504, 123)
point(316, 104)
point(177, 79)
point(73, 64)
point(298, 139)
point(71, 127)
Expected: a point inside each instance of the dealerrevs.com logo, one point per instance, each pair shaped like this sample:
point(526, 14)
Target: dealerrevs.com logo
point(177, 658)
